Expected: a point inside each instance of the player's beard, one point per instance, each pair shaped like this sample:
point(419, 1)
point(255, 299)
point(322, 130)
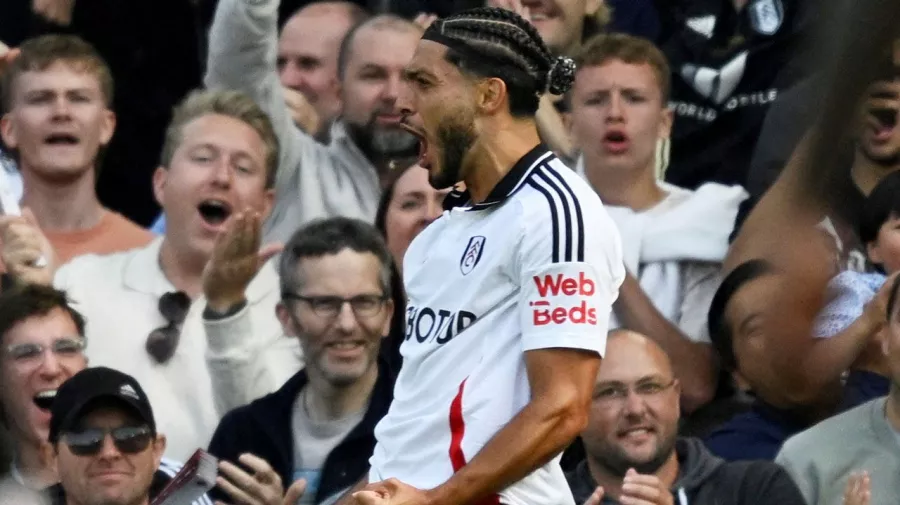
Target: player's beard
point(455, 139)
point(617, 461)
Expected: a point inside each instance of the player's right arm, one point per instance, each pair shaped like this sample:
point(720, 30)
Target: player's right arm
point(561, 381)
point(569, 264)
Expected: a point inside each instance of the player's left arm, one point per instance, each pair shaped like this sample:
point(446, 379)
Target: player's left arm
point(561, 382)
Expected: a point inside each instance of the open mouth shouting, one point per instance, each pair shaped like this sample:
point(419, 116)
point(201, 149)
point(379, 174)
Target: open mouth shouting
point(62, 140)
point(615, 141)
point(44, 399)
point(214, 212)
point(424, 160)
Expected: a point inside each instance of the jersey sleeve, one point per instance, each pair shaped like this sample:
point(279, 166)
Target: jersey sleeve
point(570, 267)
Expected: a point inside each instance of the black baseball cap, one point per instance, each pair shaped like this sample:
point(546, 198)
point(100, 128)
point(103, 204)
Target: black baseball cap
point(90, 385)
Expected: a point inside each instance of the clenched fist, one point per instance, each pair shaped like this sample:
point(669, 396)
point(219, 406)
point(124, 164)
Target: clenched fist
point(26, 252)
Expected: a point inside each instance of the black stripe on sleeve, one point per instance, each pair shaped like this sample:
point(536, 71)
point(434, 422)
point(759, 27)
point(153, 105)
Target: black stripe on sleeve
point(579, 218)
point(560, 200)
point(554, 218)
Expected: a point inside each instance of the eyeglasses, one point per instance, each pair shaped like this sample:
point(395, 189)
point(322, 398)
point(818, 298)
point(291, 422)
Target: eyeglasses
point(162, 342)
point(618, 393)
point(330, 306)
point(127, 439)
point(32, 352)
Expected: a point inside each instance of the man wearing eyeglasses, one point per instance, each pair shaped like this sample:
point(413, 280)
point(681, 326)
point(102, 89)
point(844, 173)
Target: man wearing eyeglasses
point(319, 427)
point(215, 182)
point(105, 441)
point(41, 347)
point(633, 453)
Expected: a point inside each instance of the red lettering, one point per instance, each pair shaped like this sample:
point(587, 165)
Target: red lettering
point(579, 314)
point(541, 317)
point(553, 285)
point(548, 286)
point(585, 285)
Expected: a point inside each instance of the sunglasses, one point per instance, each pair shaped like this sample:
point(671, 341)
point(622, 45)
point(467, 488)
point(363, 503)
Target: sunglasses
point(127, 439)
point(162, 342)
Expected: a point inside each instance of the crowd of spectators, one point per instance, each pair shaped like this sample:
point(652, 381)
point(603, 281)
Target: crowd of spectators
point(206, 207)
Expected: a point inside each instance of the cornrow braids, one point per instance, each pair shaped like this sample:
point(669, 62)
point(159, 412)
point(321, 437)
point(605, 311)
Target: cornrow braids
point(494, 42)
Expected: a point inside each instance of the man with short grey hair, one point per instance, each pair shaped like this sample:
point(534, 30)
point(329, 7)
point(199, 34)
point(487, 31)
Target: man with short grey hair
point(335, 277)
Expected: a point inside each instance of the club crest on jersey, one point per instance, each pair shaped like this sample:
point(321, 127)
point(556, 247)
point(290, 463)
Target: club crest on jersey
point(766, 16)
point(472, 255)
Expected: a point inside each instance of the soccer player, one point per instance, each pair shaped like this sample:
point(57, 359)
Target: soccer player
point(509, 291)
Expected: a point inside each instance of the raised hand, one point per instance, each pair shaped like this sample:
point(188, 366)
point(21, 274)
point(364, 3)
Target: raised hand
point(424, 20)
point(876, 308)
point(304, 115)
point(858, 490)
point(261, 485)
point(235, 261)
point(25, 250)
point(58, 11)
point(7, 55)
point(640, 489)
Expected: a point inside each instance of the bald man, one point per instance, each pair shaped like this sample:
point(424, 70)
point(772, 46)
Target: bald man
point(308, 54)
point(345, 176)
point(634, 455)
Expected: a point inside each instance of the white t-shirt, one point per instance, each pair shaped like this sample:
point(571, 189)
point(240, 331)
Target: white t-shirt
point(537, 265)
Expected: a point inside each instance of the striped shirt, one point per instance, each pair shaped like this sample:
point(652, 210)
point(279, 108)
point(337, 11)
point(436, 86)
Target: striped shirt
point(536, 265)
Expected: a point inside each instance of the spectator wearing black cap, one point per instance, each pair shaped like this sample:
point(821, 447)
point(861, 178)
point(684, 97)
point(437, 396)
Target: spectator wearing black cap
point(42, 342)
point(41, 336)
point(105, 441)
point(219, 163)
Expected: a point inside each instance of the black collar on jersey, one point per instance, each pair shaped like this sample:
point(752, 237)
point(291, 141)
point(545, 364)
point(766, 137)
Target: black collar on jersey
point(505, 188)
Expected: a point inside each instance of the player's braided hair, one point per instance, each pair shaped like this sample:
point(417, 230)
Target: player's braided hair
point(494, 42)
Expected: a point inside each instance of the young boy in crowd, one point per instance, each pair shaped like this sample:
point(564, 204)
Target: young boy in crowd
point(854, 313)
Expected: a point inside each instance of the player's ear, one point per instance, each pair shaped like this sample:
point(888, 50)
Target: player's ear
point(490, 95)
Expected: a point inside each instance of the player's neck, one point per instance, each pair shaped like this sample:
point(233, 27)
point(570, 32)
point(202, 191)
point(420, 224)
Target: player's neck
point(62, 207)
point(495, 155)
point(635, 189)
point(327, 402)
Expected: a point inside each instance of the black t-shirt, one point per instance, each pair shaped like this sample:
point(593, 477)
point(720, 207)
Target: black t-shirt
point(728, 66)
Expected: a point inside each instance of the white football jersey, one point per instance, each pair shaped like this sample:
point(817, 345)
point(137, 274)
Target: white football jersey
point(537, 265)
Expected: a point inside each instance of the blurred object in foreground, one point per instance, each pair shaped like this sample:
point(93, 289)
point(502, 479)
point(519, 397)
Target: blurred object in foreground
point(785, 227)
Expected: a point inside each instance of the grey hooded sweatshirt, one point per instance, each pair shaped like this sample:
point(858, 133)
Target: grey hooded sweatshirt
point(704, 479)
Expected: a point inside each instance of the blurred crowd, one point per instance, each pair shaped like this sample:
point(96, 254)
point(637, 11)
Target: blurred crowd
point(206, 205)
